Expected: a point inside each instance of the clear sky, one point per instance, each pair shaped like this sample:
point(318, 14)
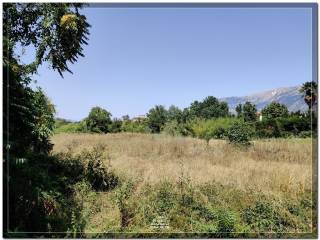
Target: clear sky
point(140, 57)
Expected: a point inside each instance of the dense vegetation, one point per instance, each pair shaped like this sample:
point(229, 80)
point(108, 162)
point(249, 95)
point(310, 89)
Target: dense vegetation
point(204, 121)
point(37, 187)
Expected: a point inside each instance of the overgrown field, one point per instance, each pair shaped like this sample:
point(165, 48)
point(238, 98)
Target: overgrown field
point(175, 186)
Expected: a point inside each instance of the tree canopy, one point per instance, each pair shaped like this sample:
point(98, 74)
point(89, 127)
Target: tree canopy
point(57, 31)
point(274, 110)
point(99, 120)
point(309, 90)
point(157, 118)
point(249, 112)
point(209, 108)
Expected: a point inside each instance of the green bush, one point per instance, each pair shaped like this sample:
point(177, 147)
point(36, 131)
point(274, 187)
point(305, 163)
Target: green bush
point(226, 222)
point(100, 176)
point(65, 126)
point(268, 128)
point(294, 124)
point(305, 134)
point(43, 199)
point(68, 128)
point(213, 128)
point(115, 126)
point(134, 127)
point(121, 197)
point(173, 128)
point(165, 197)
point(268, 216)
point(240, 134)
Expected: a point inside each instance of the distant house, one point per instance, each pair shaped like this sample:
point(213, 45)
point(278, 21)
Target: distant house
point(139, 118)
point(259, 116)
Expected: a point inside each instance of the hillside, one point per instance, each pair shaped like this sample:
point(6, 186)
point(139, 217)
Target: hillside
point(289, 96)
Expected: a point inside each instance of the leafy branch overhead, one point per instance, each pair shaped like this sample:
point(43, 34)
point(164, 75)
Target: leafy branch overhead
point(57, 32)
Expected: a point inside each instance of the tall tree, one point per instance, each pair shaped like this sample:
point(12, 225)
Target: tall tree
point(309, 90)
point(249, 112)
point(239, 110)
point(209, 108)
point(56, 32)
point(157, 118)
point(99, 120)
point(174, 113)
point(274, 110)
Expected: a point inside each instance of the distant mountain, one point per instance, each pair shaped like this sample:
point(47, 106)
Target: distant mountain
point(289, 96)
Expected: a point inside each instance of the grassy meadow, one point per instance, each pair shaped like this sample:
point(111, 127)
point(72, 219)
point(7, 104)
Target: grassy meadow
point(173, 186)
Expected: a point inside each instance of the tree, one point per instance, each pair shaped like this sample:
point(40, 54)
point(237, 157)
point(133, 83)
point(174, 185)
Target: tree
point(173, 128)
point(249, 112)
point(57, 31)
point(239, 110)
point(309, 90)
point(30, 121)
point(157, 118)
point(115, 126)
point(274, 110)
point(224, 109)
point(135, 126)
point(125, 118)
point(43, 112)
point(99, 120)
point(209, 108)
point(174, 113)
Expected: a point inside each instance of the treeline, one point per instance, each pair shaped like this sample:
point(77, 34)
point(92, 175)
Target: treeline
point(203, 119)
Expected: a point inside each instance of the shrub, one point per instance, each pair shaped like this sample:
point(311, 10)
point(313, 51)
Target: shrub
point(134, 127)
point(268, 128)
point(115, 126)
point(226, 222)
point(165, 197)
point(213, 128)
point(70, 127)
point(122, 194)
point(240, 134)
point(220, 132)
point(43, 192)
point(294, 124)
point(268, 216)
point(100, 176)
point(173, 128)
point(305, 134)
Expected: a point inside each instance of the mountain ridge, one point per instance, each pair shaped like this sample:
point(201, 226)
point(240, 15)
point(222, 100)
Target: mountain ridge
point(289, 96)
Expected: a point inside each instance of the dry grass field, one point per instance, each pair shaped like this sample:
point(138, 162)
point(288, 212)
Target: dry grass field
point(217, 189)
point(271, 166)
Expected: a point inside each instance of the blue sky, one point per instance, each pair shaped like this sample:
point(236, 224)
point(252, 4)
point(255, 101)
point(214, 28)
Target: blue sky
point(140, 57)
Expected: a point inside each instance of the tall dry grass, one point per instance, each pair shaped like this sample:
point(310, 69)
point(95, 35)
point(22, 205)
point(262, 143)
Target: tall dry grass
point(272, 166)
